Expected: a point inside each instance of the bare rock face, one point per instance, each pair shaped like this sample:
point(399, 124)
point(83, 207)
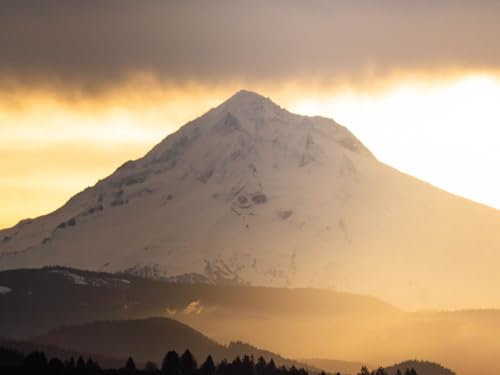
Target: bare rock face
point(251, 193)
point(285, 214)
point(259, 198)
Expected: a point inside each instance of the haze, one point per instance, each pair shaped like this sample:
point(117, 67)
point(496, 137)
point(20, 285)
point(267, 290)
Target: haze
point(345, 257)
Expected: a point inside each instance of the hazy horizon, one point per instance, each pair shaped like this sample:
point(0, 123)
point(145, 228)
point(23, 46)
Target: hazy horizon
point(318, 179)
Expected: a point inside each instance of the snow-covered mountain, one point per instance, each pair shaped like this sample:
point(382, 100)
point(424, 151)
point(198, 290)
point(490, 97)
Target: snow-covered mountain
point(251, 193)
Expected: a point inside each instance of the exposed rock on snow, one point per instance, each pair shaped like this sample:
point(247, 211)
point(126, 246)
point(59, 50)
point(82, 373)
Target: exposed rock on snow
point(76, 279)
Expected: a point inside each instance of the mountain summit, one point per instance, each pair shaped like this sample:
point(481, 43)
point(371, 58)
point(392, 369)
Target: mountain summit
point(251, 193)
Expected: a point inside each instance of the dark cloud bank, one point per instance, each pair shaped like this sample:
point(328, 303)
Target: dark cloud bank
point(97, 43)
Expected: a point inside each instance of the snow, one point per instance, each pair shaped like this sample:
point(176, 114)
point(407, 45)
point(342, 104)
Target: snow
point(251, 193)
point(194, 308)
point(95, 281)
point(76, 279)
point(5, 290)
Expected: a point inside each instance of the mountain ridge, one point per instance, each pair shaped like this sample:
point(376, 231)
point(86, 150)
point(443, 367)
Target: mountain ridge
point(251, 193)
point(298, 323)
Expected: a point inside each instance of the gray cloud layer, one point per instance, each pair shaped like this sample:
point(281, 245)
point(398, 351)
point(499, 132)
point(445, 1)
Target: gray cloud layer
point(96, 43)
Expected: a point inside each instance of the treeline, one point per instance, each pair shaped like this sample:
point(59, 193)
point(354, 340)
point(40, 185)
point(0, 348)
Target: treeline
point(381, 371)
point(16, 363)
point(13, 362)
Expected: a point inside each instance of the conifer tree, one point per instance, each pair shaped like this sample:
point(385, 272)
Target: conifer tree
point(187, 363)
point(80, 365)
point(170, 365)
point(208, 367)
point(130, 365)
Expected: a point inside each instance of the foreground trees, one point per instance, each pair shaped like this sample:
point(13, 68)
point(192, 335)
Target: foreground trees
point(15, 363)
point(381, 371)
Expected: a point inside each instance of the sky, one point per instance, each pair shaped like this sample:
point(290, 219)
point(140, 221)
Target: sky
point(87, 85)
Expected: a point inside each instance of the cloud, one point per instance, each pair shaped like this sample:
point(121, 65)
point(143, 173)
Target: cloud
point(94, 44)
point(170, 312)
point(194, 308)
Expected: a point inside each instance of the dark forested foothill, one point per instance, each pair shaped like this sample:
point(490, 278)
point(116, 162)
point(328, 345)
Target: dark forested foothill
point(382, 371)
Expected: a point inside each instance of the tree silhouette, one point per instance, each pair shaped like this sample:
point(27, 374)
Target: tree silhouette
point(170, 365)
point(80, 365)
point(261, 366)
point(208, 367)
point(130, 365)
point(70, 365)
point(188, 365)
point(236, 365)
point(15, 363)
point(55, 366)
point(247, 366)
point(271, 367)
point(92, 367)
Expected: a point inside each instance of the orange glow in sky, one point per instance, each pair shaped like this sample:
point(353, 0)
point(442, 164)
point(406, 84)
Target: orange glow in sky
point(445, 132)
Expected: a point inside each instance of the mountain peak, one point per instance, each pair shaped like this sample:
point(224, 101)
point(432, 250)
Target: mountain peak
point(249, 101)
point(243, 130)
point(247, 96)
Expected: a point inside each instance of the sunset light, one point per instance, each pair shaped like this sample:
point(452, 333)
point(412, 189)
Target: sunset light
point(249, 187)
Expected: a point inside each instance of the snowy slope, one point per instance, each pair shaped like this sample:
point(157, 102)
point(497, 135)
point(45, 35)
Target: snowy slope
point(251, 193)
